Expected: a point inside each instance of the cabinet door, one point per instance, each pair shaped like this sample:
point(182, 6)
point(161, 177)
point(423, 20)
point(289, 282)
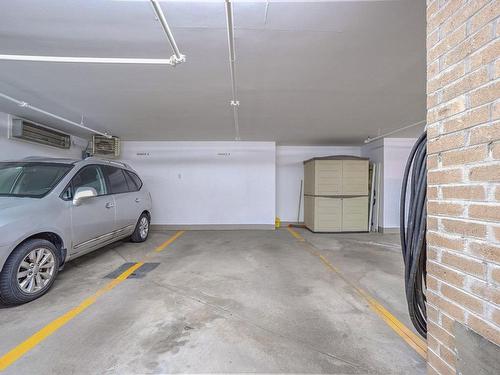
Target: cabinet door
point(328, 177)
point(355, 177)
point(355, 214)
point(309, 179)
point(309, 212)
point(328, 214)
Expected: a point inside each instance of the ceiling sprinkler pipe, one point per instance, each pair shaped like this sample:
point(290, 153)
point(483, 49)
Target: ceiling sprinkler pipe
point(178, 57)
point(24, 104)
point(86, 60)
point(232, 53)
point(232, 58)
point(236, 123)
point(368, 140)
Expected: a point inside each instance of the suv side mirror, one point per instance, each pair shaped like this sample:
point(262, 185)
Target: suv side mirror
point(83, 193)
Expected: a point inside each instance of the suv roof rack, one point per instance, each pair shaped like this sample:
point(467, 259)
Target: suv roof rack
point(119, 163)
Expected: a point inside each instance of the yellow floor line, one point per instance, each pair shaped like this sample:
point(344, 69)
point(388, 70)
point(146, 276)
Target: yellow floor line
point(414, 341)
point(295, 234)
point(16, 353)
point(169, 241)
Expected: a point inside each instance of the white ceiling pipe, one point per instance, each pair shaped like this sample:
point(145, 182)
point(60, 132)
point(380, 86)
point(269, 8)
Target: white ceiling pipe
point(94, 60)
point(266, 11)
point(178, 57)
point(23, 104)
point(235, 103)
point(369, 139)
point(236, 123)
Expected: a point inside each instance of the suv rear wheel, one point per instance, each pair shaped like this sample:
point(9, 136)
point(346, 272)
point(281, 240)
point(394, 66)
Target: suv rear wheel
point(141, 231)
point(29, 272)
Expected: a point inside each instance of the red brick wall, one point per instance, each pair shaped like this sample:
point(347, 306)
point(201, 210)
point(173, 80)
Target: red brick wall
point(463, 111)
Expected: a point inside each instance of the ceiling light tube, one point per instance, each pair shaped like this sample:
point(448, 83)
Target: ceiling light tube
point(235, 103)
point(177, 57)
point(368, 140)
point(92, 60)
point(23, 104)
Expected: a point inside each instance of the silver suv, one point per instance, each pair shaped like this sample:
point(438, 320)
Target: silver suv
point(54, 210)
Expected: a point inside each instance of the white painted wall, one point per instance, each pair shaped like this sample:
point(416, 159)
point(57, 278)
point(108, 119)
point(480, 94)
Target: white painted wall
point(375, 152)
point(396, 152)
point(392, 153)
point(290, 170)
point(12, 149)
point(225, 183)
point(207, 183)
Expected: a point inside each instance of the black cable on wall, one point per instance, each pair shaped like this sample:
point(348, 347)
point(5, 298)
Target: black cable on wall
point(413, 227)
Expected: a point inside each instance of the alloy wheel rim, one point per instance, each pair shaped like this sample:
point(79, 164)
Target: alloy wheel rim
point(144, 227)
point(36, 270)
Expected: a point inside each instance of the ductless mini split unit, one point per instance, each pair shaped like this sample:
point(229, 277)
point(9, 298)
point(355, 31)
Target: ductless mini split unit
point(105, 147)
point(29, 131)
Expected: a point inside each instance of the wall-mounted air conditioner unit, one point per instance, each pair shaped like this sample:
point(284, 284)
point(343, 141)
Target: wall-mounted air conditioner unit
point(105, 147)
point(29, 131)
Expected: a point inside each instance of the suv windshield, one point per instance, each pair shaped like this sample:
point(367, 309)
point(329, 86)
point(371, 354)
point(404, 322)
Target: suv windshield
point(30, 179)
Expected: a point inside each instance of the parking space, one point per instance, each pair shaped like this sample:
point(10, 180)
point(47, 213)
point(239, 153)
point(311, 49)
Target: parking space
point(221, 301)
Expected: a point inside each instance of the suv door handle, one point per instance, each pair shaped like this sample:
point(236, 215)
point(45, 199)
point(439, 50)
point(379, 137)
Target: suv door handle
point(110, 205)
point(137, 200)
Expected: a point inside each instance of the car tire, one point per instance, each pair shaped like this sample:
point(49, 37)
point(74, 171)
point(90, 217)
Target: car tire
point(141, 231)
point(29, 272)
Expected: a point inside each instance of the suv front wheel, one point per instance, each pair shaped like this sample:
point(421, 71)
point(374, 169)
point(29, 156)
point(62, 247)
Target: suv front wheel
point(29, 272)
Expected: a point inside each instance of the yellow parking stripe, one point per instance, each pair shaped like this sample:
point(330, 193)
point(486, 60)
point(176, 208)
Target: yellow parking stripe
point(419, 345)
point(295, 234)
point(414, 341)
point(13, 355)
point(169, 241)
point(20, 350)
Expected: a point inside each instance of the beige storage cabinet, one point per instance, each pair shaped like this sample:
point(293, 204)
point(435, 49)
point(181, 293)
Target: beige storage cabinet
point(355, 177)
point(355, 214)
point(323, 214)
point(336, 194)
point(323, 178)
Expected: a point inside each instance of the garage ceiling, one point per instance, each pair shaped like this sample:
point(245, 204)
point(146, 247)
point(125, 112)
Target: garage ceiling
point(311, 73)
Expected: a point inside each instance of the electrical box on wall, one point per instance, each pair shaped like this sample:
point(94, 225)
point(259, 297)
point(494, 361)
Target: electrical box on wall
point(36, 133)
point(105, 147)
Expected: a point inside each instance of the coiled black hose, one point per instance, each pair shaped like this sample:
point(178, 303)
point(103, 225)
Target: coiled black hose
point(413, 232)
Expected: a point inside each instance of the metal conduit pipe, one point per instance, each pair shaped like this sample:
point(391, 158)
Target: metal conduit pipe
point(177, 58)
point(24, 104)
point(235, 103)
point(86, 60)
point(369, 139)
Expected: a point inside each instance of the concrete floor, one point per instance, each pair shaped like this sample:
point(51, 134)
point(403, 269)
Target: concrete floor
point(223, 302)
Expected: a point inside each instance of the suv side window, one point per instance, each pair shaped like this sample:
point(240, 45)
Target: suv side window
point(131, 184)
point(89, 176)
point(136, 179)
point(116, 179)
